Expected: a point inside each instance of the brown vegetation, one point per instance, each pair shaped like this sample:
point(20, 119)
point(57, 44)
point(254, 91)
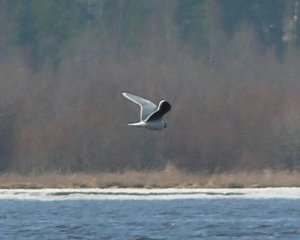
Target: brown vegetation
point(168, 178)
point(223, 119)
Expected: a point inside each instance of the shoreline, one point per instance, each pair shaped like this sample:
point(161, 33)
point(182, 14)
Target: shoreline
point(152, 179)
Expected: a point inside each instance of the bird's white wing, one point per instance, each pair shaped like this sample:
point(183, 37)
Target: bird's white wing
point(147, 107)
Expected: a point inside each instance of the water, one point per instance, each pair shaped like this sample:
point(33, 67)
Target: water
point(150, 214)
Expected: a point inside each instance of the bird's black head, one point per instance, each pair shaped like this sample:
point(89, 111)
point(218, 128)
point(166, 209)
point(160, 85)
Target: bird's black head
point(164, 106)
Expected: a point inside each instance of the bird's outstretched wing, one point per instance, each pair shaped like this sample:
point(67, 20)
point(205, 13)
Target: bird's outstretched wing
point(147, 107)
point(163, 108)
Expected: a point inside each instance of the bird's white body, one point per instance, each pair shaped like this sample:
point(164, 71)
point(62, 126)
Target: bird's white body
point(150, 114)
point(152, 125)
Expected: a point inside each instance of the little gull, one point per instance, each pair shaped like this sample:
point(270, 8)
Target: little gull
point(150, 114)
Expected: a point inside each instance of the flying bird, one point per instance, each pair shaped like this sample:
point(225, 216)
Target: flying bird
point(150, 114)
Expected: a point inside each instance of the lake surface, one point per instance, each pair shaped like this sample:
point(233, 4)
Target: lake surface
point(272, 213)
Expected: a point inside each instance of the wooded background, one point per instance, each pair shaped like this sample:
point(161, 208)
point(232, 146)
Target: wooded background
point(229, 68)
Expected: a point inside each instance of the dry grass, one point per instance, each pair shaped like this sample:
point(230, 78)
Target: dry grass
point(170, 177)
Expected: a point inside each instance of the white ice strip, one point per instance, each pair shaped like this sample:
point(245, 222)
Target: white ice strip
point(148, 194)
